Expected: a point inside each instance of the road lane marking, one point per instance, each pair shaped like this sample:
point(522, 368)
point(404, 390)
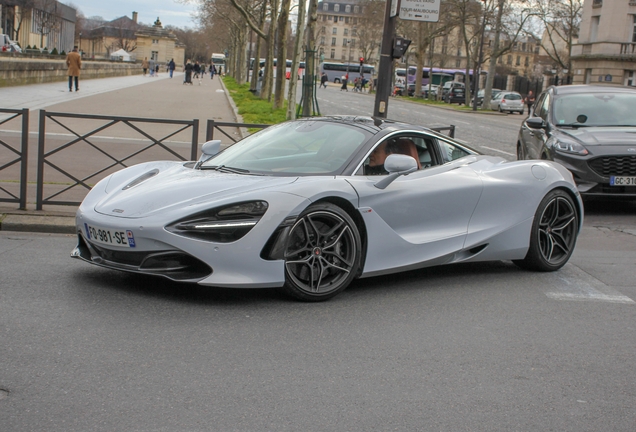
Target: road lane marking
point(573, 284)
point(497, 150)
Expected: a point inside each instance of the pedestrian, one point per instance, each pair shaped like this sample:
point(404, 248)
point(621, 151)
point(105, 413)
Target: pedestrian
point(144, 65)
point(323, 80)
point(188, 73)
point(74, 63)
point(197, 69)
point(212, 70)
point(529, 100)
point(221, 70)
point(157, 70)
point(152, 68)
point(345, 80)
point(171, 67)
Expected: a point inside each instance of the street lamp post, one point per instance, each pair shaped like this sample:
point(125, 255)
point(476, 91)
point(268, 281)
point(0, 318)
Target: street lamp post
point(80, 43)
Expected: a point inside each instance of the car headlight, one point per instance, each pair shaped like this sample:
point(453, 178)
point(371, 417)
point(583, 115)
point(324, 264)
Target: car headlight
point(569, 147)
point(223, 224)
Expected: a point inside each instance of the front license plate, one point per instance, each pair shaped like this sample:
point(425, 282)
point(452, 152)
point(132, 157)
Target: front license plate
point(122, 238)
point(622, 181)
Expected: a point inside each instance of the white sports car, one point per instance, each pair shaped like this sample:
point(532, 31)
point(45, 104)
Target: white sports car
point(308, 205)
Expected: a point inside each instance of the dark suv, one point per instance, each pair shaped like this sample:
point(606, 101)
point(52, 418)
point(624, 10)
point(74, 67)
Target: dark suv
point(591, 130)
point(454, 92)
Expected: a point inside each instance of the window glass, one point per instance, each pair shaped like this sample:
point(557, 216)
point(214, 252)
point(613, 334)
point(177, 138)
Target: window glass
point(595, 109)
point(544, 108)
point(416, 146)
point(450, 152)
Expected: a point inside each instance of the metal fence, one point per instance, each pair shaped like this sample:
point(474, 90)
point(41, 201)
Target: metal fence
point(81, 171)
point(18, 156)
point(64, 168)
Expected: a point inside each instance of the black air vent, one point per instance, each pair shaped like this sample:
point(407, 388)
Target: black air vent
point(614, 166)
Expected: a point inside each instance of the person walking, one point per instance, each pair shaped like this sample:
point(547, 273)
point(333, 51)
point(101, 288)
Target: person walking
point(323, 80)
point(157, 70)
point(74, 63)
point(529, 100)
point(171, 67)
point(188, 73)
point(345, 81)
point(212, 70)
point(144, 65)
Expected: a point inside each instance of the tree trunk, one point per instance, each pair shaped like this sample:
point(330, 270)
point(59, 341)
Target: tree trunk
point(293, 82)
point(494, 55)
point(281, 67)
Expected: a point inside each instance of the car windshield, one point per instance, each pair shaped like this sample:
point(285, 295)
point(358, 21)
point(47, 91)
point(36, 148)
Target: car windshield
point(293, 148)
point(595, 109)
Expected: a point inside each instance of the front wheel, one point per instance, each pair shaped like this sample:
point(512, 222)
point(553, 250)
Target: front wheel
point(554, 232)
point(521, 154)
point(322, 255)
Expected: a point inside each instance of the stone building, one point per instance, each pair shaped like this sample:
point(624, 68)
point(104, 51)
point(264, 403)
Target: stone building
point(155, 42)
point(606, 48)
point(48, 24)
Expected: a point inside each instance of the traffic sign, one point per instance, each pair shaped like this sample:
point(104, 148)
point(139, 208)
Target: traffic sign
point(420, 10)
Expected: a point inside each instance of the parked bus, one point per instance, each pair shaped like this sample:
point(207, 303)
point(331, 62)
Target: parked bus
point(301, 67)
point(439, 75)
point(335, 71)
point(218, 60)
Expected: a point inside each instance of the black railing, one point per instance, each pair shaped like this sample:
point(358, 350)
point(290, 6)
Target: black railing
point(19, 156)
point(213, 124)
point(78, 170)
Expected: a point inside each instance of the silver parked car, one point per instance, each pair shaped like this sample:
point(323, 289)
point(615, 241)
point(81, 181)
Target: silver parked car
point(507, 101)
point(309, 205)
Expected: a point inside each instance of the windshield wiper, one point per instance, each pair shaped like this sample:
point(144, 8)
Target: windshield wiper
point(575, 125)
point(224, 168)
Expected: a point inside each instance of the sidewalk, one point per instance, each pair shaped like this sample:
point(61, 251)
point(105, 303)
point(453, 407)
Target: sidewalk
point(134, 96)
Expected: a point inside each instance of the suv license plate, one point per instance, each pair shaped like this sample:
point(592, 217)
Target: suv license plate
point(622, 181)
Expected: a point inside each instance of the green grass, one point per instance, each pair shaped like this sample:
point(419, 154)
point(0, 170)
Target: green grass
point(253, 109)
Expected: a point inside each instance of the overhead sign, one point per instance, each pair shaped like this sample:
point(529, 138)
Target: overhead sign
point(394, 8)
point(420, 10)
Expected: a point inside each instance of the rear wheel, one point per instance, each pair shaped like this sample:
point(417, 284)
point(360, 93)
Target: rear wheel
point(554, 232)
point(322, 255)
point(500, 110)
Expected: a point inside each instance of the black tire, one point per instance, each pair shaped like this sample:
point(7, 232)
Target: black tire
point(500, 110)
point(553, 235)
point(322, 254)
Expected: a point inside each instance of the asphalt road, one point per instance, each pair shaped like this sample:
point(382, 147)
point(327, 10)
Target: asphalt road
point(484, 347)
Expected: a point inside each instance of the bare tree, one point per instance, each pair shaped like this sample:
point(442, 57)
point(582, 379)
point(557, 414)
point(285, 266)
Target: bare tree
point(370, 27)
point(47, 18)
point(25, 7)
point(293, 81)
point(557, 29)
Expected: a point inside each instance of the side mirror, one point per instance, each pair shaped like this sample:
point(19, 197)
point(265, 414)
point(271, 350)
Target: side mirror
point(397, 165)
point(208, 150)
point(535, 123)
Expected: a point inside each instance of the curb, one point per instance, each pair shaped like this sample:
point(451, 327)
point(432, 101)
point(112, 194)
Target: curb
point(41, 224)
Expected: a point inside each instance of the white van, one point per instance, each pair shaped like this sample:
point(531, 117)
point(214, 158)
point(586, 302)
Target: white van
point(8, 45)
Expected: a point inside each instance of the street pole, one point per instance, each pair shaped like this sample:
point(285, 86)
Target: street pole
point(481, 53)
point(383, 90)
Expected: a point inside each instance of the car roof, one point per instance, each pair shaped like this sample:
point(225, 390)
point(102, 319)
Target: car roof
point(589, 88)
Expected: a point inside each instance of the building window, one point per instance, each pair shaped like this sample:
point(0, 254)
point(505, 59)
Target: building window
point(155, 41)
point(518, 62)
point(630, 78)
point(323, 30)
point(334, 30)
point(344, 42)
point(336, 8)
point(634, 30)
point(330, 18)
point(509, 60)
point(353, 43)
point(355, 21)
point(527, 62)
point(523, 46)
point(154, 55)
point(594, 28)
point(597, 3)
point(354, 32)
point(356, 9)
point(333, 54)
point(322, 40)
point(346, 20)
point(346, 32)
point(325, 6)
point(458, 63)
point(333, 41)
point(324, 17)
point(348, 8)
point(341, 19)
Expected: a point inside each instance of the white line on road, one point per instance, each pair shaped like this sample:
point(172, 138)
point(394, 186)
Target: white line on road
point(496, 150)
point(572, 283)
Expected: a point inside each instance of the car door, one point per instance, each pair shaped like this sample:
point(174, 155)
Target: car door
point(420, 217)
point(534, 139)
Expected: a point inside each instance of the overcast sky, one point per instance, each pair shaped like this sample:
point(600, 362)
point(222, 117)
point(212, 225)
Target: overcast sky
point(170, 12)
